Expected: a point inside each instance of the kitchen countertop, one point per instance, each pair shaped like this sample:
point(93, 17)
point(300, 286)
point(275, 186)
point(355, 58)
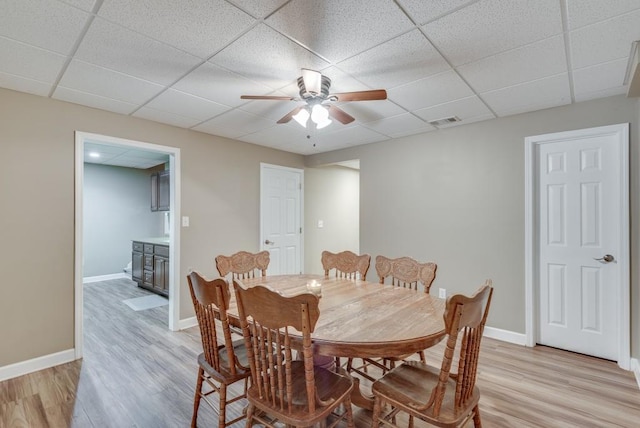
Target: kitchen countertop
point(162, 240)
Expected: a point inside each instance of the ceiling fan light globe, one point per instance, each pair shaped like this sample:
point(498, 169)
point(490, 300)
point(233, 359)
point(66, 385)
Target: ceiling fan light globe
point(302, 117)
point(323, 124)
point(319, 114)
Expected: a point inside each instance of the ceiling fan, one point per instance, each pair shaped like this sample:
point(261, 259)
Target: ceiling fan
point(314, 89)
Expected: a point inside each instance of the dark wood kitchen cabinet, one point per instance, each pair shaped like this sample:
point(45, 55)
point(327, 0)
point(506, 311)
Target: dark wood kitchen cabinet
point(160, 184)
point(150, 266)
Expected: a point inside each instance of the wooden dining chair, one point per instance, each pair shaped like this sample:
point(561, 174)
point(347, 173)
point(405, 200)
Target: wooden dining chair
point(283, 389)
point(220, 364)
point(399, 272)
point(440, 397)
point(243, 265)
point(346, 264)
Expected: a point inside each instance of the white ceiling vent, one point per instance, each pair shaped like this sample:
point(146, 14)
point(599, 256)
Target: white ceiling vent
point(632, 78)
point(444, 121)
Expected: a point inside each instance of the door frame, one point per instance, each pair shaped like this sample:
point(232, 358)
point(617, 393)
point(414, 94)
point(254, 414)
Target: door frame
point(621, 131)
point(174, 239)
point(263, 167)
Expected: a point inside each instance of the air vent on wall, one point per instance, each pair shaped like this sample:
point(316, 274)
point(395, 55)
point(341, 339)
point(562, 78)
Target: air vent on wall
point(444, 121)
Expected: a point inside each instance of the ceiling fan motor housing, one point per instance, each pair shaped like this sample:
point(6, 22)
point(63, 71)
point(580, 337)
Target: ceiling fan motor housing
point(325, 83)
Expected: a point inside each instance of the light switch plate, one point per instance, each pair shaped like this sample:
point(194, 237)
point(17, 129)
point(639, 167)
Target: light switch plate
point(185, 221)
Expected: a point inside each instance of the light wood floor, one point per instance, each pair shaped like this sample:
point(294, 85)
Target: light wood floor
point(135, 373)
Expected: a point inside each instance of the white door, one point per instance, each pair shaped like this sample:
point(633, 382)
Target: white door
point(580, 198)
point(281, 218)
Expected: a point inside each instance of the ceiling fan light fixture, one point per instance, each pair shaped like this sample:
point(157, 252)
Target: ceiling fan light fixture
point(323, 124)
point(302, 117)
point(319, 114)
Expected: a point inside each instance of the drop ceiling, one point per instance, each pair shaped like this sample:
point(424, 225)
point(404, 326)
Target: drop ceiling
point(187, 63)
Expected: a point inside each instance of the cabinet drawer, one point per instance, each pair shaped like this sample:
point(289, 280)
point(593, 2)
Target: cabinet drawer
point(148, 277)
point(148, 248)
point(148, 261)
point(161, 250)
point(137, 246)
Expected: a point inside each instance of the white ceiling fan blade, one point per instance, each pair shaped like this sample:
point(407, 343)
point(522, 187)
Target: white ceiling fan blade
point(312, 80)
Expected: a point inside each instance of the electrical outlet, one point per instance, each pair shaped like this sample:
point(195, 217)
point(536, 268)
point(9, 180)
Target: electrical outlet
point(442, 293)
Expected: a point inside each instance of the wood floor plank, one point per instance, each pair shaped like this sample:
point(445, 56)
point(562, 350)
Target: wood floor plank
point(137, 373)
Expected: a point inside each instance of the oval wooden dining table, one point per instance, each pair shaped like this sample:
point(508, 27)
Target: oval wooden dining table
point(362, 319)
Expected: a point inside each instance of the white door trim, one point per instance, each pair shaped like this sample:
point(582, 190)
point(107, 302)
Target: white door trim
point(264, 165)
point(174, 249)
point(621, 131)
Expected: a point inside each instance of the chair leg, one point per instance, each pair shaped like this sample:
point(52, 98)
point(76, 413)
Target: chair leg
point(250, 410)
point(422, 357)
point(377, 408)
point(476, 417)
point(196, 399)
point(222, 415)
point(349, 410)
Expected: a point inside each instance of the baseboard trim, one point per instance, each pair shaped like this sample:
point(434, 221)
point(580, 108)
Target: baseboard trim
point(187, 323)
point(89, 279)
point(35, 364)
point(505, 335)
point(635, 368)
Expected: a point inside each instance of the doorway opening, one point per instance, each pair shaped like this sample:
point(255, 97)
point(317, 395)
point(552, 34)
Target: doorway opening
point(83, 139)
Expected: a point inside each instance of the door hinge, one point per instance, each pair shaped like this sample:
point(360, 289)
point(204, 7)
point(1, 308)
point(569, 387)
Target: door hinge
point(300, 186)
point(300, 230)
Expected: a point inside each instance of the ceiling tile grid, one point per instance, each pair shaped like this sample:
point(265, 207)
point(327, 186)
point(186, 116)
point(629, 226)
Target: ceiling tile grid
point(187, 63)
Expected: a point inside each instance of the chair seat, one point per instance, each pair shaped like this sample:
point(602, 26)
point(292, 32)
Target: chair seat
point(412, 383)
point(225, 375)
point(331, 387)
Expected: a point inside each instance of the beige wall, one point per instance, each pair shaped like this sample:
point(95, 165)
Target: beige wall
point(331, 195)
point(220, 193)
point(456, 196)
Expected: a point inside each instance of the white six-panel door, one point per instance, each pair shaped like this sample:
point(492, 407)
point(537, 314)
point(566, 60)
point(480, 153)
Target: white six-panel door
point(281, 218)
point(579, 200)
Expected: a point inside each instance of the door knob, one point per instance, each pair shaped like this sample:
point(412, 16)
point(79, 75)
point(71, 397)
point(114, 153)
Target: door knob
point(269, 242)
point(608, 258)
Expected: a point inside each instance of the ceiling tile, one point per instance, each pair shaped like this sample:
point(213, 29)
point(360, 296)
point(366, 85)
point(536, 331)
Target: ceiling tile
point(22, 84)
point(86, 5)
point(354, 135)
point(259, 9)
point(600, 80)
point(267, 57)
point(370, 111)
point(531, 62)
point(604, 41)
point(291, 137)
point(216, 84)
point(493, 26)
point(423, 11)
point(540, 94)
point(92, 79)
point(585, 12)
point(117, 48)
point(399, 126)
point(165, 117)
point(466, 109)
point(328, 27)
point(341, 81)
point(30, 62)
point(47, 24)
point(92, 100)
point(269, 109)
point(200, 27)
point(234, 124)
point(172, 101)
point(431, 91)
point(402, 60)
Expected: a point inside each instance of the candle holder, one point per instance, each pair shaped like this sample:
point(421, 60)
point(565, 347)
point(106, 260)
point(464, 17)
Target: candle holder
point(315, 287)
